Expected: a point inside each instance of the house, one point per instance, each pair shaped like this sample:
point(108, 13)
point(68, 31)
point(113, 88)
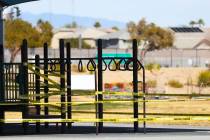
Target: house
point(188, 38)
point(88, 34)
point(190, 48)
point(185, 37)
point(117, 39)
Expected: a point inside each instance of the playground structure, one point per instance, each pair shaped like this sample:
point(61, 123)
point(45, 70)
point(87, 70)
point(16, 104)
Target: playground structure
point(28, 86)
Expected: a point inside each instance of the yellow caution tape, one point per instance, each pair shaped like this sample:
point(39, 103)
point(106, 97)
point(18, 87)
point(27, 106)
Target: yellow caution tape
point(131, 113)
point(99, 92)
point(111, 120)
point(120, 93)
point(54, 74)
point(141, 94)
point(30, 67)
point(101, 102)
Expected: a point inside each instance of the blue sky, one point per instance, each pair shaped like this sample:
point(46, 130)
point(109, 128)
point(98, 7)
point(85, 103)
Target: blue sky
point(162, 12)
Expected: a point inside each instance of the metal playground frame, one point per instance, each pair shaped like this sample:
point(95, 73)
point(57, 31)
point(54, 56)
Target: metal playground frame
point(25, 86)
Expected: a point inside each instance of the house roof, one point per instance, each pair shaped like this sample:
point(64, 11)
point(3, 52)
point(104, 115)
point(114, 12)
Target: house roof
point(121, 35)
point(13, 2)
point(204, 42)
point(188, 37)
point(86, 33)
point(208, 34)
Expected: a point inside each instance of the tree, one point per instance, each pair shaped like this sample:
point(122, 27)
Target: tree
point(115, 28)
point(201, 22)
point(150, 36)
point(192, 23)
point(97, 24)
point(14, 13)
point(131, 27)
point(18, 29)
point(72, 25)
point(46, 31)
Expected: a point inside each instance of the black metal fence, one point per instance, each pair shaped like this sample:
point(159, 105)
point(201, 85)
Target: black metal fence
point(12, 82)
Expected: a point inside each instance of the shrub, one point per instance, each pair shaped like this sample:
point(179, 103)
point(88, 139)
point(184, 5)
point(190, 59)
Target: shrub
point(108, 86)
point(120, 85)
point(115, 66)
point(175, 84)
point(151, 83)
point(74, 68)
point(84, 69)
point(153, 66)
point(57, 67)
point(90, 67)
point(204, 78)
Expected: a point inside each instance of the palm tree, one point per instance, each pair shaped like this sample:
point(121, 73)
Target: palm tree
point(192, 23)
point(97, 24)
point(201, 22)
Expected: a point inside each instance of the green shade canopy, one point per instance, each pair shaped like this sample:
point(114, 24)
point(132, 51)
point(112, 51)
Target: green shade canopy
point(13, 2)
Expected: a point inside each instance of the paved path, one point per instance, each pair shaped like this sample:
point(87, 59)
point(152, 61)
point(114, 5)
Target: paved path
point(174, 136)
point(111, 132)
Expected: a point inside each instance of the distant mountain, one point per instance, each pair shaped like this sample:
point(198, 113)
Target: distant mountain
point(59, 20)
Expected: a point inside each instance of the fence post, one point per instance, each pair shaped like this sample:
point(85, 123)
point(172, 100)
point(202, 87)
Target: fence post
point(46, 88)
point(37, 85)
point(171, 57)
point(69, 99)
point(196, 57)
point(100, 85)
point(96, 99)
point(135, 83)
point(62, 84)
point(2, 90)
point(1, 59)
point(182, 58)
point(144, 98)
point(24, 83)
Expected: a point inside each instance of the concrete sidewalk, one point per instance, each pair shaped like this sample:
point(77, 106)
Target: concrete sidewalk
point(111, 131)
